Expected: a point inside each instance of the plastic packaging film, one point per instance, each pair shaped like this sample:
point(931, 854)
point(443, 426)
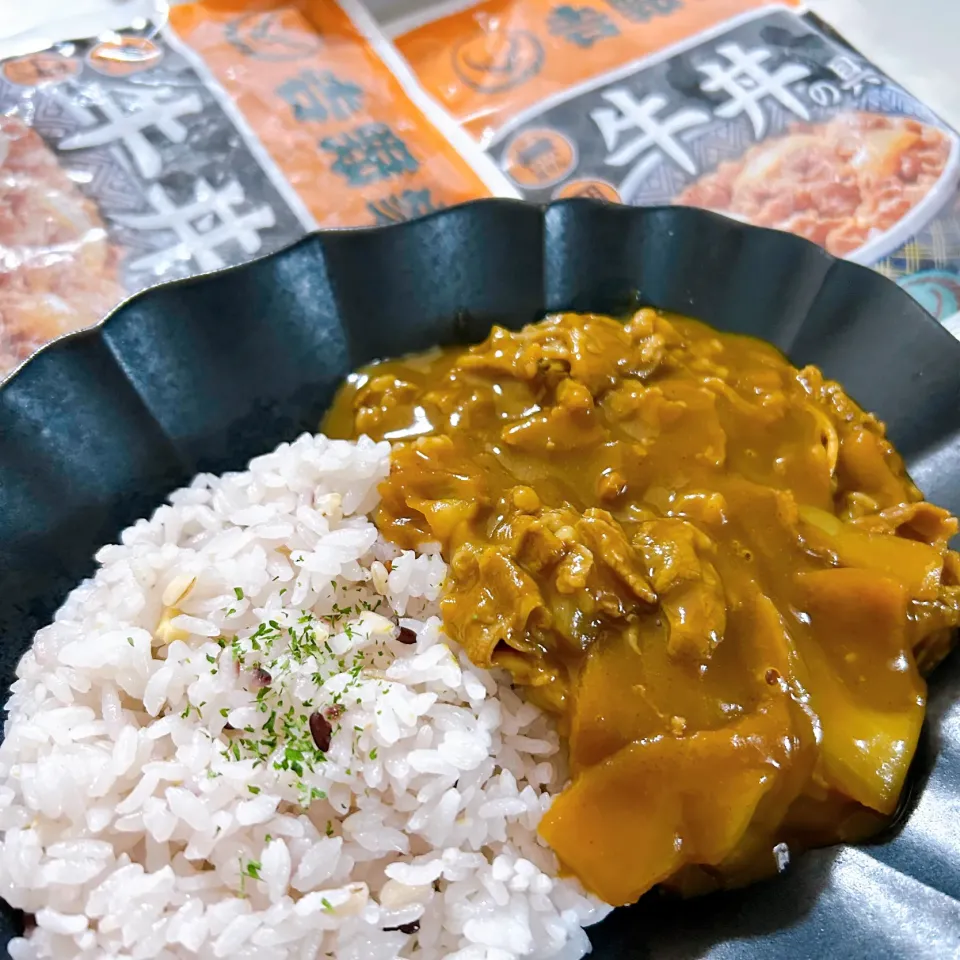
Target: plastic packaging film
point(162, 151)
point(754, 109)
point(174, 147)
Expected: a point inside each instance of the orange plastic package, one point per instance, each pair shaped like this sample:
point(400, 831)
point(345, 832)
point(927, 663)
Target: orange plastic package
point(181, 147)
point(755, 109)
point(337, 109)
point(489, 62)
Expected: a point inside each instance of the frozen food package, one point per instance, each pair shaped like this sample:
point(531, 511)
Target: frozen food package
point(757, 110)
point(337, 109)
point(151, 154)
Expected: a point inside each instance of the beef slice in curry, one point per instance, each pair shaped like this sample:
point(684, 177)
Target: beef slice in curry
point(711, 566)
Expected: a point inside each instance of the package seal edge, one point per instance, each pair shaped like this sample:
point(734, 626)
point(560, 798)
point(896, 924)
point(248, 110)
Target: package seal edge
point(461, 141)
point(256, 146)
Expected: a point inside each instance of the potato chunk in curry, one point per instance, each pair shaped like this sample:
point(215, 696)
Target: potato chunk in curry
point(711, 566)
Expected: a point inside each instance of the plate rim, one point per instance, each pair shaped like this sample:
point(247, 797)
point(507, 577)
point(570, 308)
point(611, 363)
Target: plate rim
point(800, 243)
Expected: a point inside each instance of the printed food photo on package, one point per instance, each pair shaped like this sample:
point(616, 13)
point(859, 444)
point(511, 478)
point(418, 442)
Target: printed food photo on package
point(756, 110)
point(188, 146)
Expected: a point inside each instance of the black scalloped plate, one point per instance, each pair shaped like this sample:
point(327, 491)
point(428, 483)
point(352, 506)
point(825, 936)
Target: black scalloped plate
point(207, 373)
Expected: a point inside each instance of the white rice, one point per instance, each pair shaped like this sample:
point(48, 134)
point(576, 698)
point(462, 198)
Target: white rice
point(136, 823)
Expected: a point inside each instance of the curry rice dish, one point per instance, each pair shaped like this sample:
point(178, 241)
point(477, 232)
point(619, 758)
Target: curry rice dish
point(580, 610)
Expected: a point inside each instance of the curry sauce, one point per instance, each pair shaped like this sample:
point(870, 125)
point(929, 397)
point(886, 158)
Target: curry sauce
point(711, 566)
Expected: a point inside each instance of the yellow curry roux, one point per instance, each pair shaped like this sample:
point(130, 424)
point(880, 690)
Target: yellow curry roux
point(710, 565)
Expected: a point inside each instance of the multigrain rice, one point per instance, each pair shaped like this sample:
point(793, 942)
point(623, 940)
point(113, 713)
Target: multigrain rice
point(162, 788)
